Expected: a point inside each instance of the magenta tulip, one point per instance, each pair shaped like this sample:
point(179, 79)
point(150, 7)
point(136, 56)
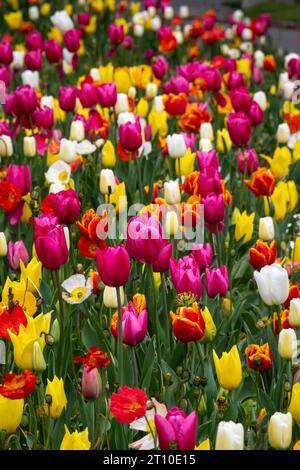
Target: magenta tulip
point(66, 206)
point(72, 39)
point(144, 238)
point(160, 67)
point(19, 175)
point(255, 114)
point(134, 325)
point(177, 431)
point(214, 211)
point(130, 135)
point(209, 181)
point(43, 224)
point(113, 265)
point(17, 252)
point(213, 78)
point(177, 85)
point(67, 98)
point(185, 275)
point(51, 248)
point(6, 53)
point(107, 93)
point(91, 383)
point(33, 60)
point(216, 281)
point(247, 161)
point(83, 19)
point(5, 75)
point(24, 100)
point(43, 118)
point(239, 128)
point(53, 51)
point(88, 95)
point(207, 160)
point(203, 255)
point(115, 34)
point(34, 41)
point(162, 263)
point(241, 100)
point(235, 80)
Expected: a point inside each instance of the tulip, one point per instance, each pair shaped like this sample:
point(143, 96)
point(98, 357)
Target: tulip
point(176, 85)
point(287, 344)
point(77, 131)
point(171, 223)
point(228, 369)
point(213, 78)
point(72, 39)
point(241, 100)
point(243, 226)
point(239, 128)
point(262, 254)
point(247, 161)
point(208, 160)
point(18, 60)
point(130, 135)
point(214, 211)
point(53, 51)
point(266, 228)
point(29, 146)
point(30, 78)
point(88, 95)
point(176, 146)
point(51, 248)
point(115, 34)
point(43, 118)
point(66, 206)
point(122, 104)
point(107, 93)
point(144, 238)
point(6, 53)
point(172, 192)
point(109, 261)
point(16, 252)
point(67, 150)
point(202, 255)
point(67, 98)
point(188, 323)
point(75, 440)
point(91, 383)
point(162, 263)
point(209, 182)
point(11, 414)
point(160, 67)
point(3, 245)
point(273, 284)
point(283, 133)
point(151, 90)
point(55, 397)
point(216, 281)
point(38, 360)
point(280, 430)
point(205, 145)
point(6, 146)
point(206, 131)
point(185, 275)
point(110, 297)
point(255, 114)
point(259, 357)
point(62, 21)
point(294, 315)
point(230, 436)
point(19, 175)
point(177, 431)
point(262, 182)
point(184, 11)
point(294, 407)
point(260, 98)
point(34, 41)
point(134, 323)
point(24, 100)
point(33, 60)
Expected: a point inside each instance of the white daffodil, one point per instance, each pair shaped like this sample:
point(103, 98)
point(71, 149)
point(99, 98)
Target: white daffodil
point(77, 289)
point(59, 172)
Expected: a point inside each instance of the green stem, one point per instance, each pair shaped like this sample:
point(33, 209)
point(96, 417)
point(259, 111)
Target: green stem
point(61, 302)
point(155, 313)
point(120, 338)
point(200, 355)
point(165, 304)
point(139, 177)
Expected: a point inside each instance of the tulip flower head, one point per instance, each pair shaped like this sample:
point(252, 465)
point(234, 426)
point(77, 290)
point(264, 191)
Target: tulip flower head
point(273, 284)
point(228, 369)
point(177, 431)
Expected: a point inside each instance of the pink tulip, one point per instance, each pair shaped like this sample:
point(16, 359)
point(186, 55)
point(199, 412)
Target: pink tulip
point(16, 252)
point(177, 431)
point(107, 94)
point(24, 100)
point(53, 51)
point(209, 182)
point(202, 255)
point(66, 206)
point(90, 385)
point(229, 65)
point(208, 22)
point(176, 85)
point(241, 100)
point(130, 135)
point(257, 75)
point(34, 41)
point(239, 128)
point(51, 248)
point(207, 160)
point(255, 114)
point(19, 175)
point(216, 281)
point(83, 19)
point(88, 95)
point(162, 263)
point(294, 68)
point(5, 75)
point(247, 161)
point(43, 118)
point(134, 325)
point(214, 211)
point(43, 224)
point(160, 67)
point(113, 265)
point(33, 60)
point(189, 140)
point(213, 78)
point(115, 34)
point(185, 275)
point(128, 42)
point(6, 53)
point(72, 39)
point(144, 238)
point(235, 80)
point(67, 98)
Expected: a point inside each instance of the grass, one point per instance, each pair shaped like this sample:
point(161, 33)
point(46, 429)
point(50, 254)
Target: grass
point(279, 10)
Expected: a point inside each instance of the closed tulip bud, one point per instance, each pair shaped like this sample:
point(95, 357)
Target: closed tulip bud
point(30, 78)
point(122, 104)
point(168, 12)
point(261, 99)
point(95, 74)
point(287, 344)
point(205, 145)
point(18, 60)
point(33, 13)
point(55, 331)
point(226, 307)
point(107, 182)
point(159, 104)
point(206, 131)
point(91, 383)
point(151, 90)
point(57, 397)
point(38, 360)
point(29, 146)
point(176, 145)
point(131, 92)
point(172, 192)
point(184, 11)
point(294, 315)
point(3, 245)
point(67, 150)
point(6, 146)
point(138, 30)
point(266, 229)
point(152, 11)
point(228, 369)
point(280, 430)
point(273, 284)
point(108, 155)
point(259, 58)
point(11, 413)
point(171, 223)
point(179, 36)
point(17, 252)
point(110, 297)
point(77, 131)
point(230, 436)
point(109, 261)
point(283, 79)
point(283, 133)
point(289, 90)
point(294, 407)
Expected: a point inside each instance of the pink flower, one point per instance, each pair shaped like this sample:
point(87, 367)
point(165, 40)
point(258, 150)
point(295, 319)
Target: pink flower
point(255, 114)
point(43, 118)
point(24, 100)
point(239, 128)
point(209, 182)
point(5, 75)
point(19, 175)
point(216, 281)
point(241, 100)
point(67, 98)
point(162, 263)
point(53, 50)
point(144, 238)
point(130, 135)
point(235, 80)
point(214, 211)
point(115, 34)
point(107, 93)
point(177, 430)
point(160, 67)
point(90, 385)
point(16, 252)
point(202, 255)
point(6, 53)
point(66, 206)
point(213, 78)
point(51, 248)
point(88, 95)
point(83, 19)
point(43, 224)
point(34, 41)
point(247, 161)
point(176, 85)
point(189, 140)
point(33, 60)
point(207, 160)
point(71, 38)
point(185, 275)
point(134, 325)
point(113, 265)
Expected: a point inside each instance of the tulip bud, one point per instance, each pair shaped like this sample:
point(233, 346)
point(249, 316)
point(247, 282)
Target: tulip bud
point(6, 146)
point(67, 237)
point(132, 92)
point(110, 297)
point(283, 133)
point(47, 102)
point(33, 13)
point(171, 223)
point(55, 331)
point(3, 245)
point(151, 90)
point(77, 131)
point(158, 104)
point(288, 90)
point(226, 307)
point(108, 155)
point(138, 30)
point(176, 146)
point(95, 74)
point(172, 192)
point(168, 12)
point(122, 104)
point(206, 131)
point(287, 344)
point(38, 360)
point(294, 315)
point(18, 61)
point(247, 34)
point(29, 146)
point(184, 11)
point(283, 79)
point(230, 436)
point(205, 145)
point(280, 430)
point(30, 78)
point(67, 150)
point(152, 11)
point(91, 383)
point(261, 99)
point(266, 229)
point(107, 182)
point(179, 37)
point(259, 59)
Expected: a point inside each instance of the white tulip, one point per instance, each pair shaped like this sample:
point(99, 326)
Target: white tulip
point(95, 74)
point(107, 181)
point(56, 188)
point(33, 13)
point(247, 34)
point(110, 297)
point(266, 229)
point(3, 245)
point(229, 33)
point(259, 58)
point(67, 68)
point(280, 430)
point(288, 90)
point(171, 223)
point(68, 56)
point(152, 11)
point(138, 30)
point(77, 131)
point(168, 12)
point(273, 284)
point(176, 146)
point(283, 133)
point(206, 131)
point(237, 16)
point(159, 104)
point(283, 79)
point(178, 36)
point(122, 104)
point(230, 436)
point(155, 23)
point(123, 118)
point(261, 99)
point(18, 60)
point(47, 102)
point(172, 192)
point(294, 315)
point(67, 236)
point(29, 146)
point(67, 150)
point(151, 90)
point(184, 11)
point(205, 145)
point(62, 21)
point(30, 78)
point(6, 146)
point(287, 343)
point(132, 92)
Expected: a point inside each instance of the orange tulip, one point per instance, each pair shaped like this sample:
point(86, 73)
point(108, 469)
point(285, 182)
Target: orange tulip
point(188, 323)
point(262, 182)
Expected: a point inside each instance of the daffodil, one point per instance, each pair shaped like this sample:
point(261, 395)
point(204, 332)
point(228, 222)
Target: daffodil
point(77, 289)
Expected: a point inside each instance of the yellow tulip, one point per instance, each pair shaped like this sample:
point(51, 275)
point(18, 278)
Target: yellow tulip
point(297, 445)
point(280, 163)
point(204, 445)
point(27, 212)
point(69, 9)
point(243, 225)
point(11, 413)
point(158, 122)
point(97, 5)
point(91, 27)
point(142, 108)
point(45, 9)
point(140, 75)
point(122, 79)
point(186, 163)
point(81, 50)
point(224, 143)
point(14, 4)
point(111, 5)
point(228, 369)
point(284, 199)
point(75, 440)
point(107, 72)
point(59, 114)
point(119, 198)
point(210, 327)
point(134, 8)
point(31, 274)
point(24, 342)
point(14, 20)
point(108, 155)
point(296, 251)
point(55, 393)
point(55, 33)
point(296, 152)
point(244, 66)
point(21, 294)
point(294, 406)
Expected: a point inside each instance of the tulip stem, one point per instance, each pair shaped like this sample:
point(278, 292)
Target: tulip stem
point(200, 355)
point(61, 302)
point(155, 313)
point(179, 170)
point(120, 338)
point(139, 178)
point(165, 304)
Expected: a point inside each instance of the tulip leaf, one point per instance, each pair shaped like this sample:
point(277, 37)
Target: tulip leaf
point(266, 402)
